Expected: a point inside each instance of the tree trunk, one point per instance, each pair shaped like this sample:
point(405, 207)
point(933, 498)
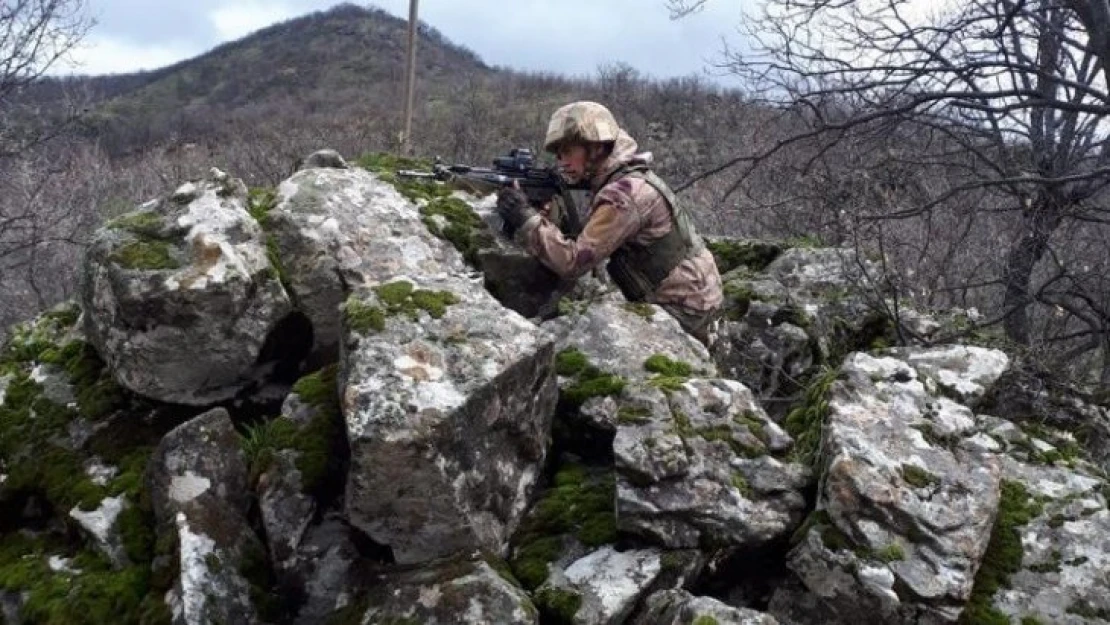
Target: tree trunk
point(1040, 220)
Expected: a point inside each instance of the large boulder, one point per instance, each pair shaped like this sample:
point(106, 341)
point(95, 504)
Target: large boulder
point(905, 509)
point(337, 229)
point(701, 465)
point(447, 395)
point(180, 296)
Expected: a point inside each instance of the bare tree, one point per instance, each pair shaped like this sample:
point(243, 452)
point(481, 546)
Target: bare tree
point(1007, 97)
point(39, 225)
point(34, 36)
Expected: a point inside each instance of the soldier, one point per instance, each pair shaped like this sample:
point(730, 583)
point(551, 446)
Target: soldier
point(634, 220)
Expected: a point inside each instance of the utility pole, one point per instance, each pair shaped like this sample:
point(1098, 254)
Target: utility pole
point(410, 81)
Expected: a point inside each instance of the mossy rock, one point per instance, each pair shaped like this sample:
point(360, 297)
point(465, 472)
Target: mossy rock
point(587, 381)
point(732, 253)
point(579, 504)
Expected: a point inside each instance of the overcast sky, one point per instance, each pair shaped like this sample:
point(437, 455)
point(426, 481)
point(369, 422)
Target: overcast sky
point(571, 37)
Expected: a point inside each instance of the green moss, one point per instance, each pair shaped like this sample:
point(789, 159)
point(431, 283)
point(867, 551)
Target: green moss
point(577, 504)
point(754, 424)
point(628, 415)
point(260, 201)
point(661, 364)
point(704, 619)
point(1030, 620)
point(1003, 556)
point(917, 477)
point(316, 443)
point(725, 433)
point(273, 254)
point(570, 362)
point(97, 594)
point(738, 299)
point(891, 553)
point(755, 255)
point(145, 224)
point(558, 606)
point(647, 311)
point(454, 220)
point(402, 297)
point(361, 317)
point(805, 422)
point(144, 256)
point(588, 381)
point(740, 483)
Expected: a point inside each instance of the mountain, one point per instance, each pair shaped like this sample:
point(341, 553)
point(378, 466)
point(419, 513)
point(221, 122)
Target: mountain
point(342, 55)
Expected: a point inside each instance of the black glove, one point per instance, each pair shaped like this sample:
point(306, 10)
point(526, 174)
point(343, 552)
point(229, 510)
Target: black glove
point(513, 207)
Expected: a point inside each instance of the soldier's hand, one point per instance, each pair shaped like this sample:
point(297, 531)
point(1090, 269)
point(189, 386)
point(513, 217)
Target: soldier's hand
point(513, 207)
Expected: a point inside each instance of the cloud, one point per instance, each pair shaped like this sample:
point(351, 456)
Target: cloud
point(233, 22)
point(112, 55)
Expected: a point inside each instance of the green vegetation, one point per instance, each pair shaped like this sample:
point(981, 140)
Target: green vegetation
point(314, 442)
point(588, 381)
point(260, 201)
point(558, 606)
point(144, 256)
point(402, 297)
point(361, 317)
point(661, 364)
point(143, 223)
point(755, 255)
point(891, 553)
point(1003, 556)
point(805, 422)
point(917, 477)
point(647, 311)
point(452, 219)
point(578, 504)
point(395, 298)
point(670, 374)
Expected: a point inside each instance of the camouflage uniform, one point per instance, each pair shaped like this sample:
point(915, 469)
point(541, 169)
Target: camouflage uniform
point(630, 213)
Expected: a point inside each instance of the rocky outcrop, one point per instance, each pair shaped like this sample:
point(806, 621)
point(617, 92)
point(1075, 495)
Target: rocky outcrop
point(180, 296)
point(412, 433)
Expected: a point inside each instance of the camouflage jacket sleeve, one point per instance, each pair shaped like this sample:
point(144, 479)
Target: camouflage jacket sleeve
point(607, 228)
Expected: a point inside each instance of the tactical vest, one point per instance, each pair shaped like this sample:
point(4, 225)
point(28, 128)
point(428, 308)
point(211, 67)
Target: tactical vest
point(639, 269)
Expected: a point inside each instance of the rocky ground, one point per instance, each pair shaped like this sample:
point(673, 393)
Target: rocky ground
point(348, 400)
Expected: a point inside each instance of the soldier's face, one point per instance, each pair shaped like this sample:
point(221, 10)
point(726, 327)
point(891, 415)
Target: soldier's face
point(572, 162)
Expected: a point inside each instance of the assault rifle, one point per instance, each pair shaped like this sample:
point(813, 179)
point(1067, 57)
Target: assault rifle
point(540, 184)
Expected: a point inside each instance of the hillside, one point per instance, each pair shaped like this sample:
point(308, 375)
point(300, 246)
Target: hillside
point(344, 54)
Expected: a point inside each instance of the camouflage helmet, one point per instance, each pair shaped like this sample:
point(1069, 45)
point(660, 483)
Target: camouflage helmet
point(580, 121)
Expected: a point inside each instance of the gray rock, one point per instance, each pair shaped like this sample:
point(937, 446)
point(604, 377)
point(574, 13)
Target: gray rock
point(179, 297)
point(1065, 567)
point(607, 584)
point(463, 590)
point(903, 520)
point(695, 468)
point(197, 479)
point(324, 571)
point(324, 159)
point(679, 607)
point(618, 338)
point(448, 419)
point(341, 229)
point(100, 524)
